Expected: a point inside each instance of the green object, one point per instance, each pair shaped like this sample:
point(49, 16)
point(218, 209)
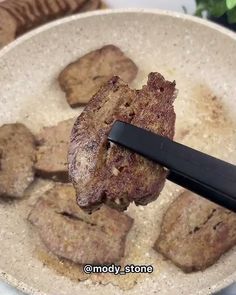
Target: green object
point(217, 8)
point(230, 4)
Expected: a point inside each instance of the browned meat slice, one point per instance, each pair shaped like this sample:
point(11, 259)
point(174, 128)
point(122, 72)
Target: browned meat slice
point(74, 5)
point(63, 6)
point(82, 79)
point(26, 12)
point(70, 233)
point(104, 173)
point(54, 8)
point(90, 5)
point(51, 156)
point(34, 8)
point(16, 11)
point(17, 154)
point(44, 9)
point(30, 13)
point(196, 232)
point(8, 26)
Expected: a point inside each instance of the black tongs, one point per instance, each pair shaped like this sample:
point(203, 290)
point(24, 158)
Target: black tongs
point(207, 176)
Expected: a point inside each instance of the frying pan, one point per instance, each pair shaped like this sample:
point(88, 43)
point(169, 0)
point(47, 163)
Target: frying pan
point(200, 56)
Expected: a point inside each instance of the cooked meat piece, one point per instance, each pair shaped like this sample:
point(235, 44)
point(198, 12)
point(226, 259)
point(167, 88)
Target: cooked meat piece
point(52, 150)
point(70, 233)
point(90, 5)
point(35, 9)
point(82, 79)
point(8, 27)
point(54, 8)
point(106, 173)
point(16, 12)
point(24, 8)
point(29, 13)
point(17, 154)
point(74, 5)
point(64, 6)
point(44, 9)
point(196, 232)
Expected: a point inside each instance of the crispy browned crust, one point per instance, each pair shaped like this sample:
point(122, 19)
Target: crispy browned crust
point(27, 12)
point(81, 79)
point(90, 5)
point(8, 27)
point(17, 155)
point(104, 173)
point(64, 6)
point(52, 149)
point(16, 12)
point(195, 232)
point(31, 13)
point(68, 232)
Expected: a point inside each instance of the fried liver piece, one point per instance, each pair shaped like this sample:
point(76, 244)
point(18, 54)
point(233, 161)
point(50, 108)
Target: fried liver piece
point(17, 155)
point(52, 150)
point(15, 10)
point(8, 26)
point(106, 173)
point(196, 232)
point(81, 79)
point(69, 232)
point(90, 5)
point(30, 13)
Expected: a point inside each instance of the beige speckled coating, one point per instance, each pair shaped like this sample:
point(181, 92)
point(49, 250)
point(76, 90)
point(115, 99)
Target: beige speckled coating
point(199, 55)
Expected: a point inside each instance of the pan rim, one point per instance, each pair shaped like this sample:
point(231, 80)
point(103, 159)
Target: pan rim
point(68, 19)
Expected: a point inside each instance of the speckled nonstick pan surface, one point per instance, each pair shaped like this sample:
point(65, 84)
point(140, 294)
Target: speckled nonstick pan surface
point(200, 56)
